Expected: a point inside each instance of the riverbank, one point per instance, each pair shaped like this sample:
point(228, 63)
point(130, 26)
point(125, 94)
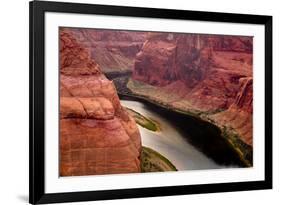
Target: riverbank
point(174, 142)
point(144, 121)
point(220, 143)
point(243, 150)
point(152, 161)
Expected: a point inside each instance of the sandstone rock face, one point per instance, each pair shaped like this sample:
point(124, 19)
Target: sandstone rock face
point(165, 58)
point(112, 50)
point(202, 73)
point(97, 136)
point(230, 43)
point(239, 113)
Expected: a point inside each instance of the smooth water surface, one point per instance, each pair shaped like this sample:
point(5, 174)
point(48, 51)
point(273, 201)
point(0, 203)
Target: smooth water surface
point(170, 141)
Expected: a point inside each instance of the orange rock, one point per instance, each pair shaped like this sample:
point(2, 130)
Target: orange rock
point(71, 107)
point(97, 136)
point(91, 108)
point(207, 73)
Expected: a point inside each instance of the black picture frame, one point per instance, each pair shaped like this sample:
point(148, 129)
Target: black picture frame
point(37, 11)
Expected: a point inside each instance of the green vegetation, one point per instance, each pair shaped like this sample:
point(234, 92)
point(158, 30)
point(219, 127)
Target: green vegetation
point(152, 161)
point(144, 121)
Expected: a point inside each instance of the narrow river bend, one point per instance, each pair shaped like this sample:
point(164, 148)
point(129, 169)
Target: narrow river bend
point(170, 141)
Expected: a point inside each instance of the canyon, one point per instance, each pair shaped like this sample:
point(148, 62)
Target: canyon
point(111, 50)
point(208, 74)
point(204, 81)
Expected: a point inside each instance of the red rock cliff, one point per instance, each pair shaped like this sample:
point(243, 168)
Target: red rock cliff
point(206, 73)
point(230, 43)
point(165, 58)
point(112, 50)
point(97, 136)
point(239, 114)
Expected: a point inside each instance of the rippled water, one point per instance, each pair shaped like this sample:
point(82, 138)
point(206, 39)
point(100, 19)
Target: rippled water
point(169, 141)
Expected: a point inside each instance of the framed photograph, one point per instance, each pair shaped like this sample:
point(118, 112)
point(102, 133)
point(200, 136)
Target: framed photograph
point(141, 102)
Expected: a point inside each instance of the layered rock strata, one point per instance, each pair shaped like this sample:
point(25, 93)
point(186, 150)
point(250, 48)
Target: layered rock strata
point(112, 50)
point(208, 75)
point(97, 135)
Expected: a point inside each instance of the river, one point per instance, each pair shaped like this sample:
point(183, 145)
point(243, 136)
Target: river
point(170, 141)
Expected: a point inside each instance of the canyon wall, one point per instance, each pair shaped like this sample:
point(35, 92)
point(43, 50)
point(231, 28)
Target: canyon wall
point(112, 50)
point(97, 135)
point(165, 58)
point(242, 44)
point(206, 74)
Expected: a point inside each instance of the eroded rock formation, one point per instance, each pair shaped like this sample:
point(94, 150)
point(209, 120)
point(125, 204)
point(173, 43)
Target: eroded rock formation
point(231, 43)
point(200, 74)
point(112, 50)
point(239, 114)
point(97, 136)
point(165, 58)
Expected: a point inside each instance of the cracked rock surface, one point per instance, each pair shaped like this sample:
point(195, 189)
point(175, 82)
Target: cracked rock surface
point(97, 136)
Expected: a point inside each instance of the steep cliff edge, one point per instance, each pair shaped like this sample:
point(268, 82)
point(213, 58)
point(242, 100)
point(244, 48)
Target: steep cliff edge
point(238, 115)
point(97, 135)
point(204, 75)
